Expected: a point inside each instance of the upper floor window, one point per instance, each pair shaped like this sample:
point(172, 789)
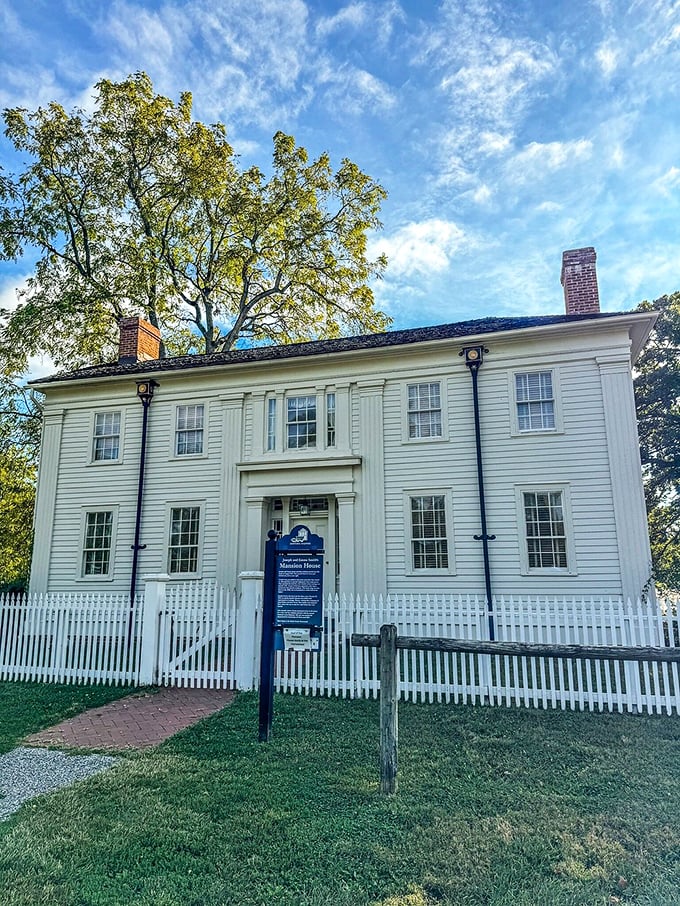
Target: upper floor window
point(106, 445)
point(184, 539)
point(535, 401)
point(97, 543)
point(271, 423)
point(424, 410)
point(189, 432)
point(429, 544)
point(546, 532)
point(330, 419)
point(301, 422)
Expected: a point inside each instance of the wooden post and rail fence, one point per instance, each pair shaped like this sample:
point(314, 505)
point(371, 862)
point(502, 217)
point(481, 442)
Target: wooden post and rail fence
point(388, 642)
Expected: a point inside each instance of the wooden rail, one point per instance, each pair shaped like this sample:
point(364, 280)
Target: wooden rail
point(388, 642)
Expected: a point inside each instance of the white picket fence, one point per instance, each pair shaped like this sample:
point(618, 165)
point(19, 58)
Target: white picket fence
point(200, 635)
point(427, 676)
point(70, 638)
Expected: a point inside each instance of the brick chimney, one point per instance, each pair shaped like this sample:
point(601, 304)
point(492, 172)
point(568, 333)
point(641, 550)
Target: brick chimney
point(139, 341)
point(579, 279)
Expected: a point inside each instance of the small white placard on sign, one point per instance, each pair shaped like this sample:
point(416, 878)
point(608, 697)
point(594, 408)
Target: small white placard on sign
point(297, 638)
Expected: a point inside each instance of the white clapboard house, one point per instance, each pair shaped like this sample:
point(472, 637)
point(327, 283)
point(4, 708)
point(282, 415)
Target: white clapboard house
point(370, 441)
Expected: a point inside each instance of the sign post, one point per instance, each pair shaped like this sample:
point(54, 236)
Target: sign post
point(292, 606)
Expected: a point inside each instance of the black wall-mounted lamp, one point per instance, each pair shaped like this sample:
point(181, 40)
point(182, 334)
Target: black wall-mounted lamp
point(145, 391)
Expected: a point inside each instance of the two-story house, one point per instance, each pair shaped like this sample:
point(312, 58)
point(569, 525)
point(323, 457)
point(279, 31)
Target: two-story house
point(368, 440)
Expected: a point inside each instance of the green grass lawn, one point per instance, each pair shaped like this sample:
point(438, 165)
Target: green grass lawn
point(494, 806)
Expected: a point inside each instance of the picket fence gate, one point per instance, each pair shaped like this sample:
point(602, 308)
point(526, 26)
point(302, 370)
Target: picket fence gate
point(197, 634)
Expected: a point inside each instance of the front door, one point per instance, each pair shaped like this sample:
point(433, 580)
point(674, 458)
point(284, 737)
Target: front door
point(318, 514)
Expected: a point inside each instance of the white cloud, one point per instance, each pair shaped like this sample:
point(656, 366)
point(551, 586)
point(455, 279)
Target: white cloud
point(667, 183)
point(421, 248)
point(10, 289)
point(608, 56)
point(539, 158)
point(494, 143)
point(352, 16)
point(352, 91)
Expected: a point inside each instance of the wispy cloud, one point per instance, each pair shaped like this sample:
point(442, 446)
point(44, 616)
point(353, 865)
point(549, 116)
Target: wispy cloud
point(420, 248)
point(352, 16)
point(539, 158)
point(669, 182)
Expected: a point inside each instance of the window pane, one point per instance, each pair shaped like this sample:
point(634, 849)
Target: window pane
point(301, 421)
point(184, 531)
point(330, 419)
point(189, 434)
point(424, 410)
point(106, 436)
point(545, 528)
point(271, 424)
point(535, 401)
point(429, 546)
point(97, 543)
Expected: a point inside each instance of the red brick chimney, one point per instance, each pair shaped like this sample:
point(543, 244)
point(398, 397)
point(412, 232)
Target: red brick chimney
point(579, 279)
point(139, 341)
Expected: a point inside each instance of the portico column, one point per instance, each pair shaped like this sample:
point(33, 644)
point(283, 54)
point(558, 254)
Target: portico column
point(346, 542)
point(255, 533)
point(630, 513)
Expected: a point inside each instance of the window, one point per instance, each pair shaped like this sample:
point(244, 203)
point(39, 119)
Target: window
point(535, 401)
point(429, 546)
point(330, 419)
point(301, 422)
point(184, 538)
point(424, 410)
point(97, 543)
point(189, 433)
point(271, 423)
point(106, 446)
point(546, 529)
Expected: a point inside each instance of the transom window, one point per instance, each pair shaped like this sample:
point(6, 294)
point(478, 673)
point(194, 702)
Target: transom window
point(429, 545)
point(97, 543)
point(301, 421)
point(535, 401)
point(424, 410)
point(184, 537)
point(189, 433)
point(106, 436)
point(545, 528)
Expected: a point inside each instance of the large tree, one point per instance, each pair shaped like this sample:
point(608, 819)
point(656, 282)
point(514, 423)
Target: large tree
point(657, 390)
point(135, 208)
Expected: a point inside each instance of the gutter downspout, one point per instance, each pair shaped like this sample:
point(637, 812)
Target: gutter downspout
point(145, 391)
point(474, 356)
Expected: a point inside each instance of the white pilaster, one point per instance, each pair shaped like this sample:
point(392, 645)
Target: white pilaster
point(227, 543)
point(48, 474)
point(626, 476)
point(253, 555)
point(373, 578)
point(346, 542)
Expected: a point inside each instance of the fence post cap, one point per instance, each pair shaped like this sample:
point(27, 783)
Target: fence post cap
point(156, 577)
point(251, 574)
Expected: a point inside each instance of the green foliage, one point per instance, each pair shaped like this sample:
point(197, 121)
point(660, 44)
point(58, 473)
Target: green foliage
point(17, 496)
point(495, 807)
point(137, 209)
point(657, 391)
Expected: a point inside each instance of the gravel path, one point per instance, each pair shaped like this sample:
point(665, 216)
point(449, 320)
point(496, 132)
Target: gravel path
point(28, 772)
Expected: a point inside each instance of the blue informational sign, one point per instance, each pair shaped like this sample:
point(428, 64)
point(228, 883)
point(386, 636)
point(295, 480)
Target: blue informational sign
point(298, 589)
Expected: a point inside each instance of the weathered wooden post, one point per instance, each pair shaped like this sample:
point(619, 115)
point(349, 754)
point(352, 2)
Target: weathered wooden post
point(389, 727)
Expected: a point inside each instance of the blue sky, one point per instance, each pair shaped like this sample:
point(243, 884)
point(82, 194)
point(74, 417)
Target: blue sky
point(504, 132)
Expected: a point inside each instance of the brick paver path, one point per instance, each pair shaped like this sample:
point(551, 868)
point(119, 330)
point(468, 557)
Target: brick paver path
point(135, 722)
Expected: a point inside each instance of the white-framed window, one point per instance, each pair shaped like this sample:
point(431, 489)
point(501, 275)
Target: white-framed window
point(106, 437)
point(184, 543)
point(330, 419)
point(534, 401)
point(424, 410)
point(300, 422)
point(97, 543)
point(545, 516)
point(428, 521)
point(189, 430)
point(271, 423)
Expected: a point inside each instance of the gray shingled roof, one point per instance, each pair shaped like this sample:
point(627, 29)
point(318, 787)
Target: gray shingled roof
point(460, 330)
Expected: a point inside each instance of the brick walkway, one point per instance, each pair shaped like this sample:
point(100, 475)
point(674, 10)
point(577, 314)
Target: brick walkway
point(135, 722)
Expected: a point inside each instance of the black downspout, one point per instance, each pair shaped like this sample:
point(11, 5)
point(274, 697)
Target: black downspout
point(473, 359)
point(145, 391)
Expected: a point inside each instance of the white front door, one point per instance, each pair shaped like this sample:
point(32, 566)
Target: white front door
point(320, 518)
